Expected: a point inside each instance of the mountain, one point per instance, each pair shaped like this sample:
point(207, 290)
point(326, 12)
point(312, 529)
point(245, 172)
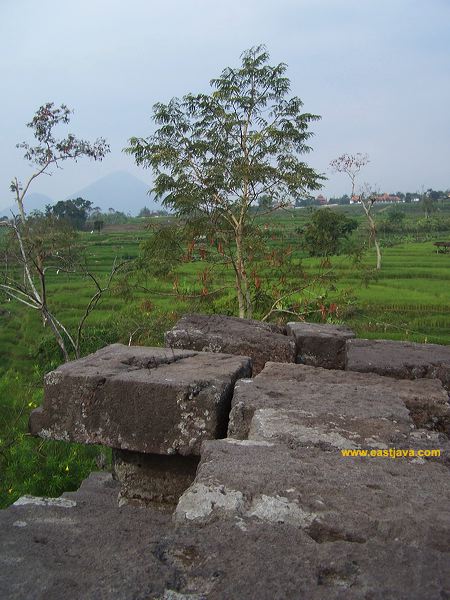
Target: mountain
point(120, 191)
point(32, 201)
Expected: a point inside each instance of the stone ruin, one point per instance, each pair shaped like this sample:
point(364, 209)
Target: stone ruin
point(229, 479)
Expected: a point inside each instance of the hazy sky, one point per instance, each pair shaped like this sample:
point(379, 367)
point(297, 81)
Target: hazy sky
point(377, 71)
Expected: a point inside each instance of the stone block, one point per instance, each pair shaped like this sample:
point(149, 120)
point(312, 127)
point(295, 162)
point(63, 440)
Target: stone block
point(149, 400)
point(260, 341)
point(330, 497)
point(152, 479)
point(320, 345)
point(98, 550)
point(403, 360)
point(307, 406)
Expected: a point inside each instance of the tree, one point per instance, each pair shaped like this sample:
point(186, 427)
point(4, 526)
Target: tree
point(214, 156)
point(351, 165)
point(396, 215)
point(51, 151)
point(39, 244)
point(73, 212)
point(98, 225)
point(145, 212)
point(324, 234)
point(429, 203)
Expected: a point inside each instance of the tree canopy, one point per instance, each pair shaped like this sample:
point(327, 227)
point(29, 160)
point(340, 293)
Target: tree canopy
point(324, 234)
point(73, 212)
point(216, 155)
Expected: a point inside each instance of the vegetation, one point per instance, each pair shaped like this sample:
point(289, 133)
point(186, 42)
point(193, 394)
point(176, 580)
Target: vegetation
point(229, 166)
point(351, 165)
point(73, 212)
point(40, 243)
point(406, 300)
point(326, 231)
point(216, 156)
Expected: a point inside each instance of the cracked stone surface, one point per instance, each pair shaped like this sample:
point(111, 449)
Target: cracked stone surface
point(272, 512)
point(97, 550)
point(330, 497)
point(150, 400)
point(403, 360)
point(260, 341)
point(307, 406)
point(320, 345)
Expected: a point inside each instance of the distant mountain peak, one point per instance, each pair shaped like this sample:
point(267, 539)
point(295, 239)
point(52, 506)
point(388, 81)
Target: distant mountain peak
point(119, 190)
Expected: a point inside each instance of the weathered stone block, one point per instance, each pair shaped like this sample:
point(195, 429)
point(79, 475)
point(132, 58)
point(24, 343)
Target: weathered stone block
point(98, 550)
point(260, 341)
point(320, 345)
point(330, 497)
point(307, 406)
point(153, 479)
point(150, 400)
point(403, 360)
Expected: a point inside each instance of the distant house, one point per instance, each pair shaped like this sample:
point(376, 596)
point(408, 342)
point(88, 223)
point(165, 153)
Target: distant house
point(384, 198)
point(388, 198)
point(321, 200)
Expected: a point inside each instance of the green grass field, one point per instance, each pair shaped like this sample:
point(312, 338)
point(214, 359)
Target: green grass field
point(408, 300)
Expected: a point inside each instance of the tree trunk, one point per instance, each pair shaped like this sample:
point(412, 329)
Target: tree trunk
point(373, 231)
point(57, 334)
point(240, 297)
point(242, 287)
point(377, 247)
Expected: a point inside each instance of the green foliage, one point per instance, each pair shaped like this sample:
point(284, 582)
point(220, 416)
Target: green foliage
point(73, 212)
point(396, 215)
point(407, 300)
point(324, 234)
point(429, 205)
point(215, 156)
point(29, 465)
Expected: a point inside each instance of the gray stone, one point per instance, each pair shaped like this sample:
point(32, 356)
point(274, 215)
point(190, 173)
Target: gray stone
point(102, 551)
point(320, 345)
point(330, 497)
point(153, 479)
point(150, 400)
point(260, 341)
point(42, 501)
point(403, 360)
point(308, 406)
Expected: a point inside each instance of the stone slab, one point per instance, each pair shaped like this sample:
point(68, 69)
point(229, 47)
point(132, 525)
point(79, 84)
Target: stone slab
point(330, 497)
point(308, 406)
point(97, 550)
point(150, 400)
point(260, 341)
point(403, 360)
point(320, 345)
point(152, 479)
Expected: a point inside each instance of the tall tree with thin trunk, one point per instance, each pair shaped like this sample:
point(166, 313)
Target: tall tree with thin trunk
point(351, 165)
point(216, 155)
point(39, 244)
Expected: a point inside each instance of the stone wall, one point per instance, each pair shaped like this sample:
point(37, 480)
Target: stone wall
point(233, 484)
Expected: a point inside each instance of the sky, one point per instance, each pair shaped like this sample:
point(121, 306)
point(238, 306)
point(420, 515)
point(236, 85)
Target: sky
point(378, 73)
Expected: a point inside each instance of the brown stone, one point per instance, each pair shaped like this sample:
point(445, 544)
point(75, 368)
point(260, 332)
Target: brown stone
point(260, 341)
point(150, 400)
point(308, 406)
point(330, 497)
point(403, 360)
point(152, 479)
point(320, 345)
